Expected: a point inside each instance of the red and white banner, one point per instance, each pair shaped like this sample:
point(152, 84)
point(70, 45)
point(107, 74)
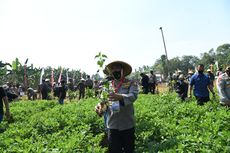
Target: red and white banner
point(59, 79)
point(52, 77)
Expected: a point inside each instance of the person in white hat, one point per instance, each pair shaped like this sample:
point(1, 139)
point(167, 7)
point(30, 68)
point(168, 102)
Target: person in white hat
point(81, 87)
point(190, 73)
point(120, 114)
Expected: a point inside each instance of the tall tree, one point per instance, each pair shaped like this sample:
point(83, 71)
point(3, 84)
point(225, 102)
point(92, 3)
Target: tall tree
point(223, 55)
point(175, 64)
point(208, 58)
point(164, 64)
point(188, 62)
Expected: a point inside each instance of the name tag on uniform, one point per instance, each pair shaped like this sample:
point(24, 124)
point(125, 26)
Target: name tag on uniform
point(126, 85)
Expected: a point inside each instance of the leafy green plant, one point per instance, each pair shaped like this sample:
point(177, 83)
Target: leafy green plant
point(163, 124)
point(100, 59)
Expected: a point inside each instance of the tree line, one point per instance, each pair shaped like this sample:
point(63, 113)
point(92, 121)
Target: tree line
point(16, 71)
point(219, 58)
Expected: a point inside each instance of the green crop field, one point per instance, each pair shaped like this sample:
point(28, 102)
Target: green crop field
point(163, 124)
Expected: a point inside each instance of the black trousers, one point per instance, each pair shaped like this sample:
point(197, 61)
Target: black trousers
point(152, 87)
point(145, 89)
point(121, 141)
point(202, 100)
point(81, 94)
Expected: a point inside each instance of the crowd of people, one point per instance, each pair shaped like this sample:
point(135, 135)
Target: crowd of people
point(200, 84)
point(118, 112)
point(148, 83)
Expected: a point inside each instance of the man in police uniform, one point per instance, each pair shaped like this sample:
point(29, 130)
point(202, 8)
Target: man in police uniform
point(120, 114)
point(223, 85)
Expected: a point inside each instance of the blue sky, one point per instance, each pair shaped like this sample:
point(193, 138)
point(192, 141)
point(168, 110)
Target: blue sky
point(70, 33)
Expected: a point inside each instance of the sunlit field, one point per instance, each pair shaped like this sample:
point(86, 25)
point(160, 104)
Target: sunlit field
point(163, 124)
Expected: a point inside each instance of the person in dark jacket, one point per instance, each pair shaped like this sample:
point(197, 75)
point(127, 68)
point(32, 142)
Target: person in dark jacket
point(62, 92)
point(81, 86)
point(145, 83)
point(44, 90)
point(182, 87)
point(89, 82)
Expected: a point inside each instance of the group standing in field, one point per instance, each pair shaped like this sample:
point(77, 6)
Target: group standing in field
point(118, 111)
point(198, 84)
point(148, 83)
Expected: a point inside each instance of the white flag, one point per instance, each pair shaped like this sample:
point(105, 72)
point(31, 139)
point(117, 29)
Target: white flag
point(67, 77)
point(42, 73)
point(216, 63)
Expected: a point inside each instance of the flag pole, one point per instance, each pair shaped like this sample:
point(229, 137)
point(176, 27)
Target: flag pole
point(166, 54)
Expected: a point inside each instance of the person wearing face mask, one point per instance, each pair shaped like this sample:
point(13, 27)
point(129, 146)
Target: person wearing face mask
point(120, 119)
point(223, 86)
point(201, 84)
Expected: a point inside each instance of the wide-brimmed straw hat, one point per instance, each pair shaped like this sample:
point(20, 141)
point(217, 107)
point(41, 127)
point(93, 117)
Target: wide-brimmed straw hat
point(227, 68)
point(127, 69)
point(190, 72)
point(181, 77)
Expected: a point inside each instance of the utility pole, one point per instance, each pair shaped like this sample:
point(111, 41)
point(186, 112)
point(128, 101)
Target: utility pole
point(167, 62)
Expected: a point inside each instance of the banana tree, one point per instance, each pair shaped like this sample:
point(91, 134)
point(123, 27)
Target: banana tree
point(33, 76)
point(3, 72)
point(16, 74)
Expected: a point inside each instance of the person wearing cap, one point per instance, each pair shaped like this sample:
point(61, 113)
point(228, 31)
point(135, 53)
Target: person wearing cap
point(181, 87)
point(223, 86)
point(178, 73)
point(201, 84)
point(31, 94)
point(211, 77)
point(3, 98)
point(120, 113)
point(189, 76)
point(81, 86)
